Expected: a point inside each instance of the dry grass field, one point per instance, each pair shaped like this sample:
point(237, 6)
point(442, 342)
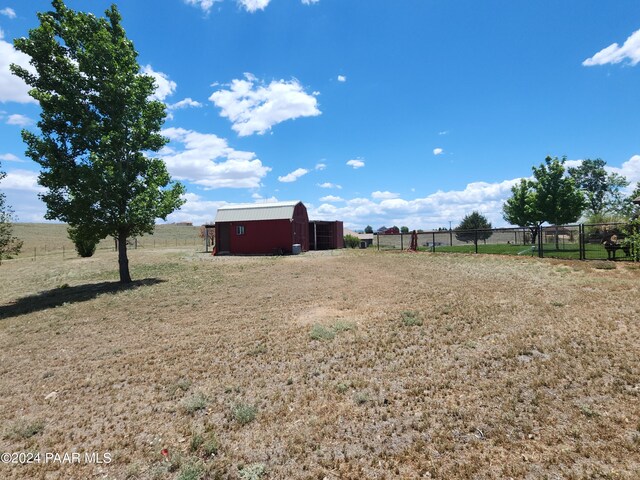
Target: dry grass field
point(51, 239)
point(334, 365)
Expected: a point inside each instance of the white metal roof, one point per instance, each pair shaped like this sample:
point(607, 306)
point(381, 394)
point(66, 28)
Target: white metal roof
point(256, 211)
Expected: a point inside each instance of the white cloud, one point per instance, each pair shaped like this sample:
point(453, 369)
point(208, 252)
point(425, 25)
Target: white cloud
point(187, 102)
point(432, 211)
point(164, 86)
point(261, 199)
point(254, 5)
point(293, 176)
point(248, 5)
point(8, 12)
point(207, 160)
point(444, 132)
point(384, 195)
point(12, 88)
point(196, 210)
point(320, 166)
point(19, 120)
point(10, 157)
point(342, 78)
point(355, 163)
point(630, 169)
point(25, 180)
point(438, 151)
point(572, 163)
point(615, 53)
point(205, 5)
point(254, 107)
point(331, 198)
point(329, 185)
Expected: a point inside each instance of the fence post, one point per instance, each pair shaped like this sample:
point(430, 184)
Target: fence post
point(450, 237)
point(433, 242)
point(581, 245)
point(378, 240)
point(402, 241)
point(476, 239)
point(540, 248)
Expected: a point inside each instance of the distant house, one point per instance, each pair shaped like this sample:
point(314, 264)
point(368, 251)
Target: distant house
point(366, 238)
point(261, 228)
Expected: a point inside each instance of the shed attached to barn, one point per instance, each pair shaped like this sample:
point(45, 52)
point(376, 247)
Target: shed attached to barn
point(261, 228)
point(325, 235)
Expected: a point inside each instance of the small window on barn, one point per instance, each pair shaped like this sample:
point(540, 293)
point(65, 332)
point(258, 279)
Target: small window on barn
point(239, 229)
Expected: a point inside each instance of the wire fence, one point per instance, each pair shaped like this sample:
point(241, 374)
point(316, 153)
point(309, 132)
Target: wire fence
point(67, 249)
point(604, 241)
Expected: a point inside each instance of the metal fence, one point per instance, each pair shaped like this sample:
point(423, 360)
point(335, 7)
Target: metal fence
point(603, 241)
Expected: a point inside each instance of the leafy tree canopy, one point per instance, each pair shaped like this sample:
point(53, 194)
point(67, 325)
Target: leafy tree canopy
point(96, 125)
point(473, 227)
point(368, 229)
point(602, 190)
point(556, 197)
point(521, 209)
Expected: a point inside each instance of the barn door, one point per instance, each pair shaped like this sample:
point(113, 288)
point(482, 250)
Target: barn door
point(225, 238)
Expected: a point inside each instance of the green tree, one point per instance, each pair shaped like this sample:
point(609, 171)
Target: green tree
point(473, 227)
point(368, 229)
point(85, 241)
point(602, 190)
point(9, 245)
point(632, 210)
point(556, 197)
point(351, 241)
point(404, 229)
point(97, 121)
point(520, 208)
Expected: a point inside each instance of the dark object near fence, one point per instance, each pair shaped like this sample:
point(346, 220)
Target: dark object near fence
point(612, 245)
point(414, 241)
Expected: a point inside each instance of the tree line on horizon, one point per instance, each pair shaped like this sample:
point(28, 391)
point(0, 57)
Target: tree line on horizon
point(98, 123)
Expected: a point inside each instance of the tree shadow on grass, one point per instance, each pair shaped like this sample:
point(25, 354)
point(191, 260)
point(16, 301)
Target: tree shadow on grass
point(59, 296)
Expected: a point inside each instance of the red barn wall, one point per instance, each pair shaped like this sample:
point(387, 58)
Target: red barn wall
point(260, 237)
point(300, 227)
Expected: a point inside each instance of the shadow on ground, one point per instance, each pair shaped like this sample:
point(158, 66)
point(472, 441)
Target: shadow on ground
point(59, 296)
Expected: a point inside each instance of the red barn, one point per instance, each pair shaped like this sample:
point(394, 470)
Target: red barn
point(262, 228)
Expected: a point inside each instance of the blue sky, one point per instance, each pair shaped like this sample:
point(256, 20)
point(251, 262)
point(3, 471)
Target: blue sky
point(379, 112)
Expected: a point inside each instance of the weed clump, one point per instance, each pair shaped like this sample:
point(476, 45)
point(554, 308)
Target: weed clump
point(254, 471)
point(24, 429)
point(194, 403)
point(244, 413)
point(318, 332)
point(411, 318)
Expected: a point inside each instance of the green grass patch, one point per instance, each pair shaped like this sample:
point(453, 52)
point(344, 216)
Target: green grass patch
point(411, 319)
point(244, 413)
point(194, 403)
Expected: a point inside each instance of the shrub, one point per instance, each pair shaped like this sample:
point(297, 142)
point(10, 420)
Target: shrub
point(351, 241)
point(318, 332)
point(84, 239)
point(24, 429)
point(211, 445)
point(411, 319)
point(194, 403)
point(191, 471)
point(252, 472)
point(244, 413)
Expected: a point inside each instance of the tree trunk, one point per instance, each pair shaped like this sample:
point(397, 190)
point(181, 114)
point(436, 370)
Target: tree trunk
point(534, 234)
point(123, 260)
